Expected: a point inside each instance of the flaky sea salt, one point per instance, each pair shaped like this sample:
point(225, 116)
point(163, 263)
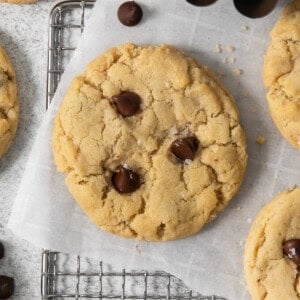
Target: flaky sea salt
point(188, 161)
point(173, 131)
point(292, 252)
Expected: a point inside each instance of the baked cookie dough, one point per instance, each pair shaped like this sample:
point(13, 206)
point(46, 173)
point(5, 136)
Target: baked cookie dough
point(281, 73)
point(151, 143)
point(9, 105)
point(272, 250)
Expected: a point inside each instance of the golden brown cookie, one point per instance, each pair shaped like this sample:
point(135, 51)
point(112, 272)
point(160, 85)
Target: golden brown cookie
point(9, 105)
point(281, 73)
point(151, 143)
point(272, 250)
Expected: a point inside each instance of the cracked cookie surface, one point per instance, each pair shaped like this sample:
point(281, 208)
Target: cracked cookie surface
point(269, 274)
point(281, 74)
point(179, 97)
point(9, 105)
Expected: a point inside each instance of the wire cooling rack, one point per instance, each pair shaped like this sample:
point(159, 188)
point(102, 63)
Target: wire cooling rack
point(66, 24)
point(68, 277)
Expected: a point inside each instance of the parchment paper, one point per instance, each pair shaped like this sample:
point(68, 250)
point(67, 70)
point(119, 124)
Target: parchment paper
point(211, 261)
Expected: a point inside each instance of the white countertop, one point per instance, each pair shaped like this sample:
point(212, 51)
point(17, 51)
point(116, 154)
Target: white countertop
point(24, 35)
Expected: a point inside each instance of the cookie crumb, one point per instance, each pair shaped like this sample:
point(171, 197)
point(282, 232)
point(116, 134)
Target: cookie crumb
point(249, 221)
point(173, 131)
point(232, 60)
point(218, 48)
point(230, 48)
point(241, 243)
point(260, 139)
point(237, 72)
point(225, 60)
point(238, 208)
point(292, 187)
point(245, 27)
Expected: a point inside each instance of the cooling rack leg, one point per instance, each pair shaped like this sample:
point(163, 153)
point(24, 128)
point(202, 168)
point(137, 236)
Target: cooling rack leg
point(44, 274)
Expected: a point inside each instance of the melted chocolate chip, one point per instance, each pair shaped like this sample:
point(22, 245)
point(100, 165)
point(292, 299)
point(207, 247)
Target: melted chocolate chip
point(185, 148)
point(6, 287)
point(255, 8)
point(130, 13)
point(1, 250)
point(127, 103)
point(201, 2)
point(291, 249)
point(125, 180)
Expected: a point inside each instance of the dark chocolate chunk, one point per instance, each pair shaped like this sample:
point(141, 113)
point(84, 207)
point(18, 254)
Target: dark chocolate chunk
point(6, 287)
point(125, 180)
point(291, 249)
point(1, 250)
point(255, 8)
point(201, 2)
point(127, 103)
point(185, 148)
point(130, 13)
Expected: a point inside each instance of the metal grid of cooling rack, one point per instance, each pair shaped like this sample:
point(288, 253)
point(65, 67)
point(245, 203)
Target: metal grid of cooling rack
point(69, 280)
point(60, 280)
point(67, 20)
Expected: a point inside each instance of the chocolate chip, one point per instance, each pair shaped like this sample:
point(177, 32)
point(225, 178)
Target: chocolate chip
point(130, 13)
point(125, 180)
point(201, 2)
point(185, 148)
point(127, 103)
point(255, 8)
point(6, 287)
point(291, 249)
point(1, 250)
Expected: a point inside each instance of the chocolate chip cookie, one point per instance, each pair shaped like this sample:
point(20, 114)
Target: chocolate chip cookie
point(9, 105)
point(281, 74)
point(272, 250)
point(151, 143)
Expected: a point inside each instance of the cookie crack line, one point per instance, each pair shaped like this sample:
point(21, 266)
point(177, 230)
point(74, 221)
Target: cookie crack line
point(292, 60)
